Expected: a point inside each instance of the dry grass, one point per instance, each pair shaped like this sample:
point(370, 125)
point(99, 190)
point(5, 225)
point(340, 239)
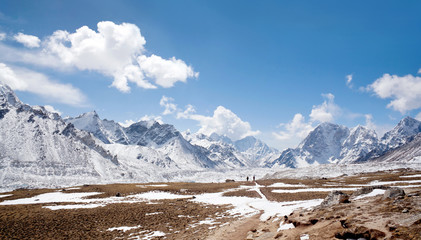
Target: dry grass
point(242, 193)
point(35, 222)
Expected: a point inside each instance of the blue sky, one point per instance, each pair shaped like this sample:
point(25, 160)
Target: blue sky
point(273, 69)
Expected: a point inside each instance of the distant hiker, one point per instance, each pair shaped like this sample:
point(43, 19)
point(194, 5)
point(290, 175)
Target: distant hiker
point(247, 178)
point(254, 178)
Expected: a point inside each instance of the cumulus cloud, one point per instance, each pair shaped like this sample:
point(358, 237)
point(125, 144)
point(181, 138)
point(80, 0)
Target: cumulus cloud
point(419, 71)
point(22, 79)
point(152, 118)
point(404, 92)
point(113, 50)
point(222, 122)
point(29, 41)
point(2, 36)
point(296, 128)
point(349, 81)
point(166, 72)
point(327, 111)
point(52, 109)
point(168, 104)
point(128, 123)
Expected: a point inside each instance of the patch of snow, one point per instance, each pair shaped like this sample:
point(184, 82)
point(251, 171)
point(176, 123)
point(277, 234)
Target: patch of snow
point(154, 213)
point(312, 190)
point(411, 176)
point(75, 206)
point(304, 237)
point(72, 188)
point(5, 195)
point(375, 192)
point(52, 197)
point(154, 234)
point(285, 226)
point(393, 182)
point(157, 195)
point(124, 229)
point(285, 185)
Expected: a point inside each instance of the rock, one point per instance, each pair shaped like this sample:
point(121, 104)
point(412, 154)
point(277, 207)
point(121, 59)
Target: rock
point(405, 210)
point(393, 193)
point(335, 197)
point(413, 194)
point(366, 190)
point(118, 194)
point(229, 180)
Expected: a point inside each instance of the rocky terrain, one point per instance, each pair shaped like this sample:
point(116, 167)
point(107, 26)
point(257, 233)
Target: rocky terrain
point(375, 205)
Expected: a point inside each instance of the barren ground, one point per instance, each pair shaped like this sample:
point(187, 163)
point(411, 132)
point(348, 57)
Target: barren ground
point(189, 218)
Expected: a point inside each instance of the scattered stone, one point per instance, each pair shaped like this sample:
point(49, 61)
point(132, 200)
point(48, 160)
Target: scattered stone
point(118, 194)
point(335, 197)
point(229, 180)
point(367, 190)
point(313, 221)
point(413, 194)
point(393, 193)
point(405, 210)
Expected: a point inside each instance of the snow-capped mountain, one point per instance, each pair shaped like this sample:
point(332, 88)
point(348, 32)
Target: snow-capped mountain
point(256, 151)
point(218, 149)
point(398, 136)
point(36, 144)
point(360, 141)
point(401, 134)
point(329, 143)
point(104, 130)
point(246, 152)
point(162, 144)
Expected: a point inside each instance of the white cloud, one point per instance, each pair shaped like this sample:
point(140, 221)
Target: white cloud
point(296, 130)
point(168, 104)
point(223, 122)
point(369, 122)
point(52, 109)
point(147, 118)
point(2, 36)
point(29, 41)
point(21, 79)
point(113, 50)
point(327, 111)
point(349, 81)
point(419, 71)
point(166, 72)
point(152, 118)
point(126, 123)
point(404, 92)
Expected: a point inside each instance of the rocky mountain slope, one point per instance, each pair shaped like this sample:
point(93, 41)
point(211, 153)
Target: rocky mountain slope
point(332, 143)
point(36, 144)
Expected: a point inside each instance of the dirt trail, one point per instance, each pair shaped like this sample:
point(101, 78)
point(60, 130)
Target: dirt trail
point(236, 230)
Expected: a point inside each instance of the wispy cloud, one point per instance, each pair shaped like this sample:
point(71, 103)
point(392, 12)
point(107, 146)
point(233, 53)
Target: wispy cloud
point(21, 79)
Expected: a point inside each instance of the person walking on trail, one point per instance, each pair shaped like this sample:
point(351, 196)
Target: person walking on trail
point(254, 178)
point(247, 178)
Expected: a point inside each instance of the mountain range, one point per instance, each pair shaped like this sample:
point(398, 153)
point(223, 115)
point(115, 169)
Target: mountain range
point(39, 148)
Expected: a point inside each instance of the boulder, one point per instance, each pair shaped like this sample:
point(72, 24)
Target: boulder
point(366, 190)
point(335, 197)
point(393, 192)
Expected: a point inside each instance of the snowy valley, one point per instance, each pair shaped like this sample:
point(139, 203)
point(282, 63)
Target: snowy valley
point(40, 149)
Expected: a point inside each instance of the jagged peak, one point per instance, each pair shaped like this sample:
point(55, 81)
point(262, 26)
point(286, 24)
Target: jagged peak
point(408, 121)
point(8, 96)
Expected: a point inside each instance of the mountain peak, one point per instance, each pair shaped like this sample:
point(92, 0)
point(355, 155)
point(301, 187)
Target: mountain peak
point(8, 96)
